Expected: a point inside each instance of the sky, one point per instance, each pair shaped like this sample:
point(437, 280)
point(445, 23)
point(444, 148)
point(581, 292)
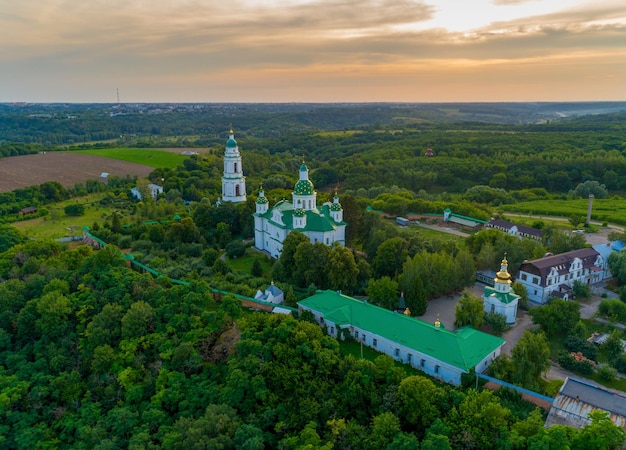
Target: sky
point(312, 51)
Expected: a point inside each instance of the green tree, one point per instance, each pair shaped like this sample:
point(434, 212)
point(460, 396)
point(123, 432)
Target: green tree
point(478, 421)
point(138, 321)
point(9, 236)
point(613, 347)
point(581, 290)
point(342, 269)
point(390, 256)
point(531, 359)
point(75, 209)
point(557, 317)
point(383, 292)
point(469, 311)
point(257, 269)
point(589, 187)
point(385, 427)
point(419, 398)
point(520, 290)
point(287, 256)
point(222, 234)
point(617, 266)
point(601, 433)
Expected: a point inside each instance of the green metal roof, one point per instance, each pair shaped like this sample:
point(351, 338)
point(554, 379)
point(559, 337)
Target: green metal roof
point(231, 143)
point(504, 298)
point(463, 348)
point(316, 219)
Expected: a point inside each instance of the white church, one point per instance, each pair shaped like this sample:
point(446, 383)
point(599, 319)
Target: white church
point(272, 225)
point(500, 298)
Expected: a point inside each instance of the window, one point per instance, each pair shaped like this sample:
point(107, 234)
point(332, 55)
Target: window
point(436, 369)
point(408, 357)
point(364, 338)
point(397, 352)
point(524, 276)
point(356, 335)
point(493, 309)
point(235, 167)
point(375, 342)
point(423, 362)
point(332, 330)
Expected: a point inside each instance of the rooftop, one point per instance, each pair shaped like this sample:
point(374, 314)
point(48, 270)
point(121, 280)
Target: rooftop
point(463, 348)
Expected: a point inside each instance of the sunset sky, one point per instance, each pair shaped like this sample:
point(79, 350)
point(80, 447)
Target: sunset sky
point(312, 51)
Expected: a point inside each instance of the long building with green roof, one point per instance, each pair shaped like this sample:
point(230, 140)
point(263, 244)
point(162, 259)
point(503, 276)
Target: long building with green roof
point(439, 352)
point(320, 224)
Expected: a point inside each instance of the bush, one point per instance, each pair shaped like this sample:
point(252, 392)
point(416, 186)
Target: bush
point(576, 344)
point(497, 322)
point(607, 373)
point(235, 249)
point(577, 363)
point(613, 309)
point(74, 210)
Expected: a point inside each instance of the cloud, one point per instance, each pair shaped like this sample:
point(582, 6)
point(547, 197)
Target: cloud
point(246, 44)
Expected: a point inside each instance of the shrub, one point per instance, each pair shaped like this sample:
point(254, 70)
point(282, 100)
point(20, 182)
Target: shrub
point(576, 344)
point(235, 249)
point(607, 373)
point(74, 210)
point(576, 362)
point(613, 309)
point(497, 322)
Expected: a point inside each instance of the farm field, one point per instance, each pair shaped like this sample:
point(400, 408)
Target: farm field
point(612, 210)
point(165, 158)
point(67, 168)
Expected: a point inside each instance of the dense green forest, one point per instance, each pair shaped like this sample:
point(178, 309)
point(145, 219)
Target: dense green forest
point(94, 355)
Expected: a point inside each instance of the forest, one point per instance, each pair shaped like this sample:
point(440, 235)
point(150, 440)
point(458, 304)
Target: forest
point(94, 354)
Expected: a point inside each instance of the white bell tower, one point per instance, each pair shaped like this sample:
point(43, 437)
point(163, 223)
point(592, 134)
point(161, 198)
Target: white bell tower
point(233, 181)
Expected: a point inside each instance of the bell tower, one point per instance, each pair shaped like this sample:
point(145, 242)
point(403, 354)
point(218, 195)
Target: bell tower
point(233, 181)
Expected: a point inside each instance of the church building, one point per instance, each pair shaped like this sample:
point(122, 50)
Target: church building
point(233, 181)
point(272, 225)
point(500, 298)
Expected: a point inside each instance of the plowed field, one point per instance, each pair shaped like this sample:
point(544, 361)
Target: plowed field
point(68, 168)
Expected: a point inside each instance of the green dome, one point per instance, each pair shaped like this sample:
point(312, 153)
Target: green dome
point(232, 143)
point(261, 200)
point(303, 168)
point(303, 187)
point(299, 212)
point(335, 207)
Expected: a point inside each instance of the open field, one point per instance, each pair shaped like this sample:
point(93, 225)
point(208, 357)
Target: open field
point(68, 168)
point(166, 157)
point(612, 210)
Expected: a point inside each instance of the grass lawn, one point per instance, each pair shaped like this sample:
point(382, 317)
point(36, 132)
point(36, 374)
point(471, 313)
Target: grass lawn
point(244, 264)
point(149, 157)
point(429, 233)
point(56, 223)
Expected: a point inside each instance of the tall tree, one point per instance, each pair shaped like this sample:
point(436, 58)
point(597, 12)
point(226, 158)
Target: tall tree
point(383, 292)
point(469, 311)
point(531, 359)
point(342, 269)
point(287, 256)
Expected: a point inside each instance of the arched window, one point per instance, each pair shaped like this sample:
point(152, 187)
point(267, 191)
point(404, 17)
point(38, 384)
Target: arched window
point(237, 194)
point(235, 167)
